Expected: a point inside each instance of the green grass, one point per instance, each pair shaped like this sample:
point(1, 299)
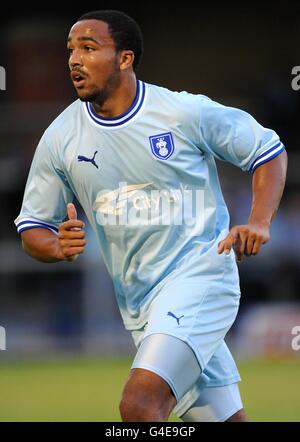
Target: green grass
point(89, 390)
point(271, 389)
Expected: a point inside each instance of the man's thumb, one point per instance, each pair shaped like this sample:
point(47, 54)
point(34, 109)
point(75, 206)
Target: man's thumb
point(72, 213)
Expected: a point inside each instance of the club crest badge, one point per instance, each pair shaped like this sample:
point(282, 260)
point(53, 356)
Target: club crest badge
point(162, 145)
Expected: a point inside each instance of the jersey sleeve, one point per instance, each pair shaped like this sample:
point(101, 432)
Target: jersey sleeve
point(233, 135)
point(46, 193)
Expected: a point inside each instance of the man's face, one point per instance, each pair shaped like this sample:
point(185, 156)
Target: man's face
point(93, 61)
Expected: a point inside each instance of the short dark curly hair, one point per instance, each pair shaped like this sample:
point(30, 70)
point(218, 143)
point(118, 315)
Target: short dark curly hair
point(125, 32)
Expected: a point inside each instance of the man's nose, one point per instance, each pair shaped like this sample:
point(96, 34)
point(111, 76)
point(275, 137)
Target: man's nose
point(75, 59)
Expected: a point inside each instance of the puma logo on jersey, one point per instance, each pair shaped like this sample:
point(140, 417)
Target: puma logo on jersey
point(175, 317)
point(89, 160)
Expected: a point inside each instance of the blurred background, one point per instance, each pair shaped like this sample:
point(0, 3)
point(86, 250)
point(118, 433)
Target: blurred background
point(67, 352)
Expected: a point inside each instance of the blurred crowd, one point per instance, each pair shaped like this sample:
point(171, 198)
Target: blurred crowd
point(35, 299)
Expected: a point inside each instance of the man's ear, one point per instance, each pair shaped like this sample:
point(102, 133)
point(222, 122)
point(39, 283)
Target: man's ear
point(126, 59)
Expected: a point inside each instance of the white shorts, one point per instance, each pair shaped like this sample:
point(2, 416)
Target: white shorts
point(198, 315)
point(174, 361)
point(215, 404)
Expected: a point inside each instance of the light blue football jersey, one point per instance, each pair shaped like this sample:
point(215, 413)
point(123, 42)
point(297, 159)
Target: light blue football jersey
point(148, 183)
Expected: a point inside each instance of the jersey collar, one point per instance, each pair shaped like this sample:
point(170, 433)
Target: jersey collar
point(126, 117)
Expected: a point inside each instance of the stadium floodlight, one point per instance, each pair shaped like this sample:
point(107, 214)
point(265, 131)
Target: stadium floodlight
point(2, 338)
point(2, 79)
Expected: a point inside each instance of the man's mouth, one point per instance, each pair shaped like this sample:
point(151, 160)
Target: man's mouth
point(78, 79)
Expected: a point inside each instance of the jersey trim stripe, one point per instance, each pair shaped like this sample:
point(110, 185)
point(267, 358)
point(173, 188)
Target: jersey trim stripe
point(116, 122)
point(31, 223)
point(267, 156)
point(22, 229)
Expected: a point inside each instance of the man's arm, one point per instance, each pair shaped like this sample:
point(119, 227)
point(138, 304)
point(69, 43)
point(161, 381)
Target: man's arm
point(267, 187)
point(46, 246)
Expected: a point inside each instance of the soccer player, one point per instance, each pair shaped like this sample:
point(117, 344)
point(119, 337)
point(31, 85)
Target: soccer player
point(141, 161)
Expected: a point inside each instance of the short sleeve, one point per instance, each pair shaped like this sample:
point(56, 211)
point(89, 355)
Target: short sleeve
point(233, 135)
point(46, 193)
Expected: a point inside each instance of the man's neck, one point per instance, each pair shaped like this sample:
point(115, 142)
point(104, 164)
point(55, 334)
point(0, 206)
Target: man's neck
point(121, 100)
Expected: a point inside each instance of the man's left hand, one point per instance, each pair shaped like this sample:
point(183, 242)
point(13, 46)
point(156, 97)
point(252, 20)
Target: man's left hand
point(246, 240)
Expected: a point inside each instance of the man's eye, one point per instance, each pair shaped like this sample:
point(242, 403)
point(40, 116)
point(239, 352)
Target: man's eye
point(70, 50)
point(89, 48)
